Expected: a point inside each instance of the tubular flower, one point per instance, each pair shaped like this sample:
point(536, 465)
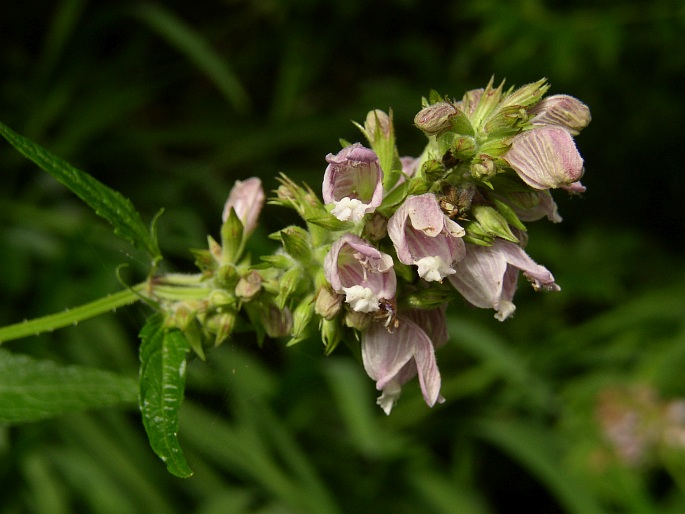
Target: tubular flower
point(246, 199)
point(353, 182)
point(363, 274)
point(392, 359)
point(487, 276)
point(545, 157)
point(424, 236)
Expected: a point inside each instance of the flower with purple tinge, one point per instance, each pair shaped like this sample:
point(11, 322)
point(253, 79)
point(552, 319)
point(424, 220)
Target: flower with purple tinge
point(562, 111)
point(363, 274)
point(424, 236)
point(392, 359)
point(487, 276)
point(353, 182)
point(246, 199)
point(545, 157)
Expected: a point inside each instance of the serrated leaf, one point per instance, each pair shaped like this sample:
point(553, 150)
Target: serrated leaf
point(33, 389)
point(162, 384)
point(106, 202)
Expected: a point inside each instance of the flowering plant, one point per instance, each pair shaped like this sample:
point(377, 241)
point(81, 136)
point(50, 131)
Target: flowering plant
point(368, 264)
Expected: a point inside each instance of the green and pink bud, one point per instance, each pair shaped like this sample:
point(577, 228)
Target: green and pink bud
point(246, 199)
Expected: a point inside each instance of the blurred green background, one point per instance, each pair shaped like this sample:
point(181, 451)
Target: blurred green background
point(573, 406)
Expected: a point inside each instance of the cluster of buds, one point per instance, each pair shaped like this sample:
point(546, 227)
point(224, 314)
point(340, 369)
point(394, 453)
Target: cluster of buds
point(396, 238)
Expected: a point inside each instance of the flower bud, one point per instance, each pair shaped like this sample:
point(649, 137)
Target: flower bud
point(562, 111)
point(331, 334)
point(248, 286)
point(377, 120)
point(246, 199)
point(358, 320)
point(376, 227)
point(434, 119)
point(222, 325)
point(483, 168)
point(276, 322)
point(328, 302)
point(302, 316)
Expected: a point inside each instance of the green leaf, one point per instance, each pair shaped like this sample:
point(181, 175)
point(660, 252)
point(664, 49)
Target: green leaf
point(106, 202)
point(162, 384)
point(33, 389)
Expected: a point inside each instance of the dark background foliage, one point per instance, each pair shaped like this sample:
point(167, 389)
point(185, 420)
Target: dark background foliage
point(170, 102)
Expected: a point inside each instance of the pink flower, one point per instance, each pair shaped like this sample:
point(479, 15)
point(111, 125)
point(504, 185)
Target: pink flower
point(487, 276)
point(363, 274)
point(353, 182)
point(246, 199)
point(392, 359)
point(545, 157)
point(424, 236)
point(562, 111)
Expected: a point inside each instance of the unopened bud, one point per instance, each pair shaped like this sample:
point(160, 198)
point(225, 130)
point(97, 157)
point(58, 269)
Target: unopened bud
point(328, 302)
point(563, 111)
point(376, 227)
point(246, 199)
point(377, 125)
point(331, 334)
point(483, 168)
point(358, 320)
point(277, 322)
point(248, 286)
point(434, 119)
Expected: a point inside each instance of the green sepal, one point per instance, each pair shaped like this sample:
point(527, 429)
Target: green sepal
point(106, 202)
point(508, 214)
point(302, 318)
point(297, 243)
point(492, 222)
point(329, 222)
point(231, 238)
point(460, 124)
point(278, 261)
point(162, 385)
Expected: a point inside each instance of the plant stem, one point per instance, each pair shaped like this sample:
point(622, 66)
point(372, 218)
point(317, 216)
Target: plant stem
point(71, 316)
